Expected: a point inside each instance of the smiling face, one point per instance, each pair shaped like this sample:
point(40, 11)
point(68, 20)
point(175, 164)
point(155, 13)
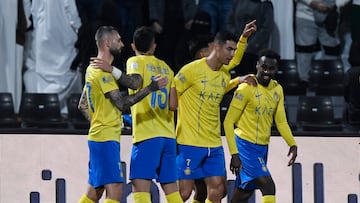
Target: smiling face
point(266, 69)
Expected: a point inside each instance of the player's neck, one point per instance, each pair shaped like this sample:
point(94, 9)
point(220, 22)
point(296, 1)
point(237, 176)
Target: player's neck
point(105, 56)
point(212, 62)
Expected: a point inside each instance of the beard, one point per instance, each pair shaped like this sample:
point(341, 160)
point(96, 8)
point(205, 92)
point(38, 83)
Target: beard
point(115, 52)
point(264, 79)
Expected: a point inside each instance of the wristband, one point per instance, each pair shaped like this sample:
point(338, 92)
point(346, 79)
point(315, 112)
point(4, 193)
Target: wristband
point(116, 73)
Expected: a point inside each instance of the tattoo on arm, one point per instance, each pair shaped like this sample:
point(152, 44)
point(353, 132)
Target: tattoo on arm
point(123, 102)
point(83, 106)
point(132, 81)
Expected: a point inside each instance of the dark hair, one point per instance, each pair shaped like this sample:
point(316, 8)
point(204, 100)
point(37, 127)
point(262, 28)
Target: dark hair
point(269, 54)
point(198, 43)
point(223, 36)
point(143, 37)
point(103, 31)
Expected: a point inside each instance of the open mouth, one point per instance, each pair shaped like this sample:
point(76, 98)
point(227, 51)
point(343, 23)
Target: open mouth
point(266, 77)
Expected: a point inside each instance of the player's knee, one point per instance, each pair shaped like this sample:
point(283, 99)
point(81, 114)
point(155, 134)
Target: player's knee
point(218, 191)
point(266, 185)
point(225, 191)
point(185, 194)
point(241, 195)
point(240, 198)
point(268, 189)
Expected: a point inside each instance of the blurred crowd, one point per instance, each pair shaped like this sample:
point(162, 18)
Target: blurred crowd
point(48, 44)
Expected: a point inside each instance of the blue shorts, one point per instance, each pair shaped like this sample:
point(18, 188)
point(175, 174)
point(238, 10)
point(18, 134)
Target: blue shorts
point(104, 164)
point(254, 159)
point(154, 159)
point(200, 162)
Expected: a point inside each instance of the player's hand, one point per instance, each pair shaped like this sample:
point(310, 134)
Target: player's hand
point(249, 79)
point(158, 83)
point(235, 164)
point(249, 29)
point(293, 154)
point(101, 64)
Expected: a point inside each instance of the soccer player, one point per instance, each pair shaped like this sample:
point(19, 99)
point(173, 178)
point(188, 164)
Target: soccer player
point(201, 48)
point(200, 86)
point(102, 103)
point(252, 110)
point(154, 144)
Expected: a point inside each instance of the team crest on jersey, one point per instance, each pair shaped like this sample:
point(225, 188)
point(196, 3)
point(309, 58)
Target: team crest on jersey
point(107, 79)
point(134, 65)
point(276, 96)
point(187, 171)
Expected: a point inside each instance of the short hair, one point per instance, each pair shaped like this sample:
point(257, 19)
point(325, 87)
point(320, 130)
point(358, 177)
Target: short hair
point(102, 32)
point(143, 37)
point(223, 36)
point(198, 43)
point(269, 54)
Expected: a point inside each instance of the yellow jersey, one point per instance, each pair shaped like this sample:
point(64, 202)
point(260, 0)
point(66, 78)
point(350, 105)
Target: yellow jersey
point(200, 91)
point(255, 109)
point(106, 119)
point(151, 116)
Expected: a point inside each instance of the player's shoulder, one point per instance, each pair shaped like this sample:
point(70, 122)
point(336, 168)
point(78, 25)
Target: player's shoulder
point(245, 87)
point(193, 66)
point(275, 84)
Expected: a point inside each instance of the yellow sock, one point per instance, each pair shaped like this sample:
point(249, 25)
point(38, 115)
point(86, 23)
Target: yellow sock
point(208, 201)
point(110, 201)
point(195, 201)
point(174, 198)
point(142, 197)
point(268, 199)
point(85, 199)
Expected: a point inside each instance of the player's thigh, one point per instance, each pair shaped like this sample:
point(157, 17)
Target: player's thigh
point(141, 185)
point(215, 182)
point(114, 191)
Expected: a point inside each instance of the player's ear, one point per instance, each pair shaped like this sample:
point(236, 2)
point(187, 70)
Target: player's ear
point(217, 47)
point(258, 65)
point(133, 47)
point(107, 41)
